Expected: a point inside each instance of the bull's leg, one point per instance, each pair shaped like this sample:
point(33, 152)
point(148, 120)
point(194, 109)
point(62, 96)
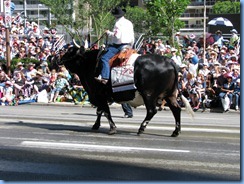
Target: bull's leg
point(176, 110)
point(107, 114)
point(111, 123)
point(98, 120)
point(150, 104)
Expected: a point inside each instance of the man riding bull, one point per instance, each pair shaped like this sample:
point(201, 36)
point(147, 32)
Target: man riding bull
point(122, 35)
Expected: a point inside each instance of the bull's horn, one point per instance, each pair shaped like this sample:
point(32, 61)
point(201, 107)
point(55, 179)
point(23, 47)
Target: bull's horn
point(78, 46)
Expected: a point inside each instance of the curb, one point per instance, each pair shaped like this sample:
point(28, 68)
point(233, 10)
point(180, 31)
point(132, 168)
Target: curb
point(116, 105)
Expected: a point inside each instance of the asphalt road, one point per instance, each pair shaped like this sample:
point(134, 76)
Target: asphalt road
point(56, 143)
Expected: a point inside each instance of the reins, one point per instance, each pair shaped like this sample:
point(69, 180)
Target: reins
point(98, 40)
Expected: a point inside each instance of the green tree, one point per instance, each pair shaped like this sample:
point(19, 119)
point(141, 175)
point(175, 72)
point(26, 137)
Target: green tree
point(166, 15)
point(139, 17)
point(91, 16)
point(227, 7)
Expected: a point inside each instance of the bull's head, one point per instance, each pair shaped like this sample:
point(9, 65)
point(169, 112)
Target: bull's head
point(81, 49)
point(70, 54)
point(72, 57)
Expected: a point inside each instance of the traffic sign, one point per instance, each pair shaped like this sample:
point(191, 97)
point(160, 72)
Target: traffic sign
point(7, 12)
point(7, 6)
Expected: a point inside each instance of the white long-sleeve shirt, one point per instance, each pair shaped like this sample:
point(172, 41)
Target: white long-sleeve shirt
point(123, 32)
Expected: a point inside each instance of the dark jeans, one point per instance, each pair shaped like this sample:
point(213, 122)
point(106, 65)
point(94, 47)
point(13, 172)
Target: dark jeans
point(111, 51)
point(127, 109)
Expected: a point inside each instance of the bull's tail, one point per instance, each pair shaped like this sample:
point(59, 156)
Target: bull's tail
point(184, 99)
point(187, 105)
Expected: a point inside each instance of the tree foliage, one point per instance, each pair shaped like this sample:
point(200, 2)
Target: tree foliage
point(227, 7)
point(166, 15)
point(139, 17)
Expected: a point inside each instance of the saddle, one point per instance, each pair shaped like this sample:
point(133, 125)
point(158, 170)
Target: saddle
point(121, 58)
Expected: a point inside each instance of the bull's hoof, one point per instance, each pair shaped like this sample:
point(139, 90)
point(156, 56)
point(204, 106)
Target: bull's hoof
point(112, 131)
point(95, 126)
point(140, 131)
point(175, 134)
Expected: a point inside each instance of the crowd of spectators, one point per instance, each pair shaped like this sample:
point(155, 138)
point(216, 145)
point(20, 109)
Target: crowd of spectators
point(209, 77)
point(28, 80)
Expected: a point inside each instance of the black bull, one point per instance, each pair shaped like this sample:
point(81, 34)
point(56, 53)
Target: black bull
point(155, 78)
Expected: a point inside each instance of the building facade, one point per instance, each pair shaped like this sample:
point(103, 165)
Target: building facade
point(35, 11)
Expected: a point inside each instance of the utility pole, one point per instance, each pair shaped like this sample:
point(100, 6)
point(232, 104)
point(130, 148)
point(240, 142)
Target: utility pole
point(25, 14)
point(8, 57)
point(7, 17)
point(204, 32)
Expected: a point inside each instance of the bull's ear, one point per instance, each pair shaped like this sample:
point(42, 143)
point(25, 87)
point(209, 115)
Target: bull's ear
point(81, 51)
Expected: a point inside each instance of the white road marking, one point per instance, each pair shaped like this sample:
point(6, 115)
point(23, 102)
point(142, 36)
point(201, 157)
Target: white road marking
point(75, 146)
point(196, 129)
point(136, 126)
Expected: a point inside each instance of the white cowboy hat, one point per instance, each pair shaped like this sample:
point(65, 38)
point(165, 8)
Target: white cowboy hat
point(19, 64)
point(183, 65)
point(216, 63)
point(233, 31)
point(173, 50)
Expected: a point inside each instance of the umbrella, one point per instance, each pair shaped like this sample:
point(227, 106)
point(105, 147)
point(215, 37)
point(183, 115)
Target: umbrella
point(220, 21)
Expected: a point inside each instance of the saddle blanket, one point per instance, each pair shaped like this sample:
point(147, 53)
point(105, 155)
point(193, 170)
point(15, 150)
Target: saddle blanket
point(122, 78)
point(126, 87)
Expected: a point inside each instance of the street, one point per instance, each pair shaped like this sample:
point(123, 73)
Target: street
point(56, 143)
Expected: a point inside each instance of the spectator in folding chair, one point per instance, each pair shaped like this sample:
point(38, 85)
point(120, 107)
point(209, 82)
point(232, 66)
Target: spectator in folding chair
point(19, 83)
point(60, 84)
